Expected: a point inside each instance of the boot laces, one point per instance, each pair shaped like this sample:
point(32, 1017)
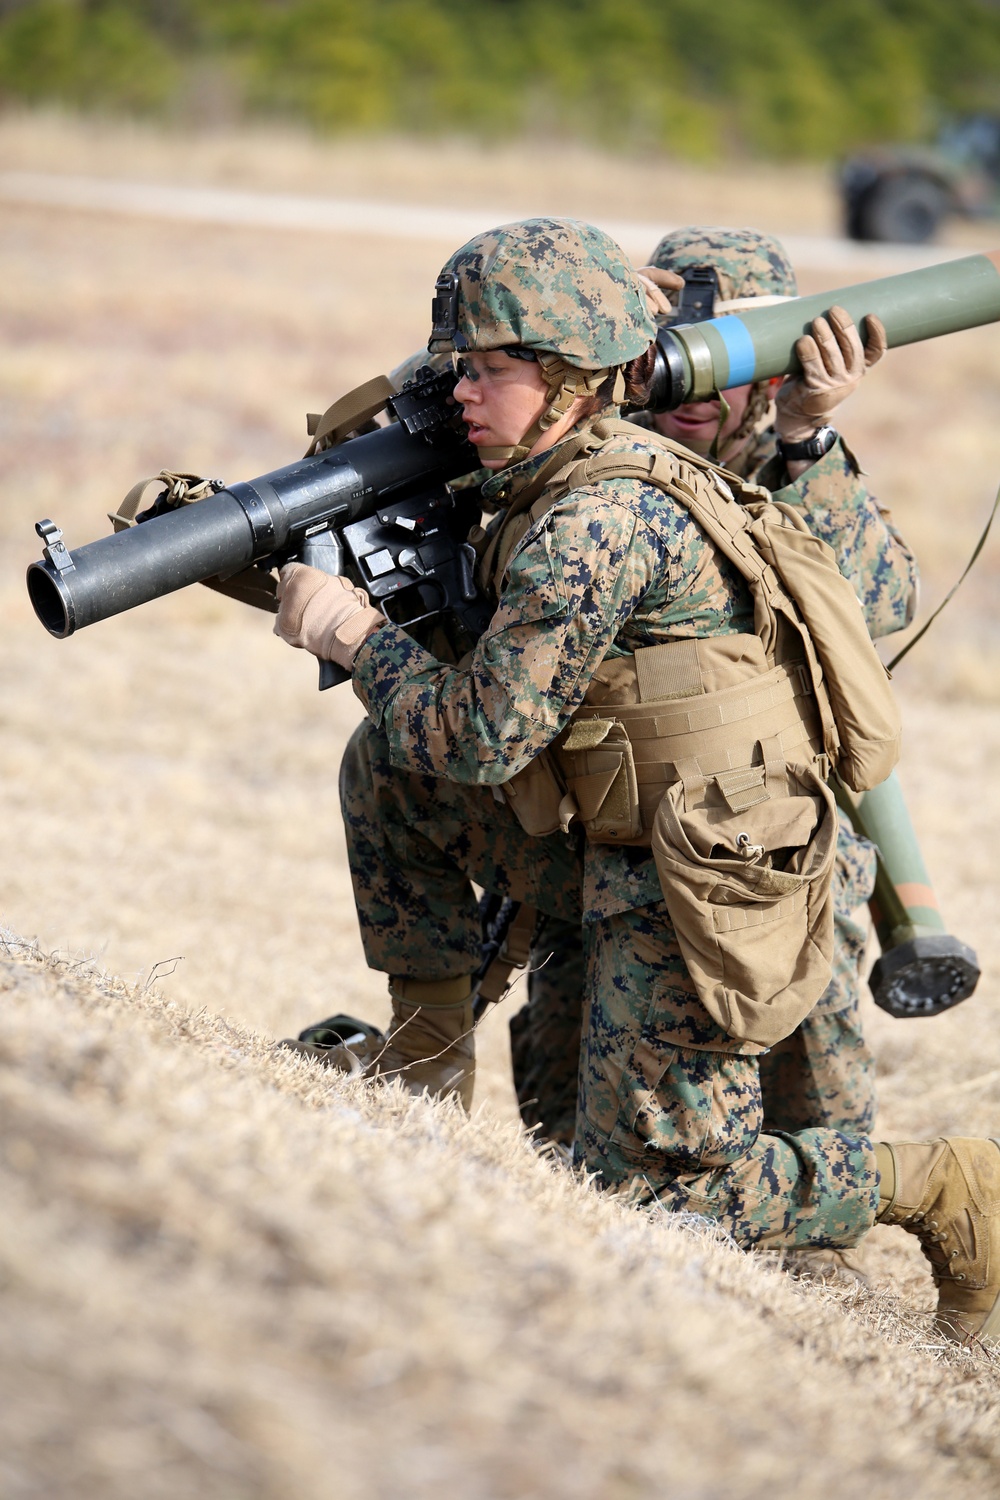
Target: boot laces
point(931, 1237)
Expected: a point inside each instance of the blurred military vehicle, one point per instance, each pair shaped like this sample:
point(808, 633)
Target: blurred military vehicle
point(903, 193)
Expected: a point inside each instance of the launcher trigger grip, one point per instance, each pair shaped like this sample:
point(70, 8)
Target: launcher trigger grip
point(330, 675)
point(325, 551)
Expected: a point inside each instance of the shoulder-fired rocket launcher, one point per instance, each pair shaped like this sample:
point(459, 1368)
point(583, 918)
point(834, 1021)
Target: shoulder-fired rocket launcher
point(755, 343)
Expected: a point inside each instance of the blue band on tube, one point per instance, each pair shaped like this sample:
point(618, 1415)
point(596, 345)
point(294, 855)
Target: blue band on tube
point(739, 347)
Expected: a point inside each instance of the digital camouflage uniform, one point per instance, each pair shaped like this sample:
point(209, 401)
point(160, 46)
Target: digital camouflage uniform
point(670, 1105)
point(823, 1074)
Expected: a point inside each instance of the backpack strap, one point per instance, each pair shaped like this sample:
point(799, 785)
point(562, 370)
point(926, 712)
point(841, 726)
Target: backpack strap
point(710, 502)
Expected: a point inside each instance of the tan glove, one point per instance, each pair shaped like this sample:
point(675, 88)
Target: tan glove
point(323, 613)
point(833, 363)
point(656, 283)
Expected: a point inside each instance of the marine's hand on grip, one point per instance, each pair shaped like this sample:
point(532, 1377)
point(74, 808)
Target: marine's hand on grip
point(323, 613)
point(833, 361)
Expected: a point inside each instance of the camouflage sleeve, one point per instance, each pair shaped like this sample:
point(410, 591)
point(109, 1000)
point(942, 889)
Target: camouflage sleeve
point(572, 584)
point(870, 551)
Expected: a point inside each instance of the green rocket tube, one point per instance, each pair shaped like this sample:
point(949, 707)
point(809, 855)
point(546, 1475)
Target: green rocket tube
point(695, 359)
point(923, 970)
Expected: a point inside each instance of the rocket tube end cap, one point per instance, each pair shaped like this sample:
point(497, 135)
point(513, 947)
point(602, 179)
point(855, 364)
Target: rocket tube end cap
point(924, 976)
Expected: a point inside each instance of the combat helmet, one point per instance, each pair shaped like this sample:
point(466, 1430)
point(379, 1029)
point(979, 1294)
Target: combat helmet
point(747, 264)
point(554, 290)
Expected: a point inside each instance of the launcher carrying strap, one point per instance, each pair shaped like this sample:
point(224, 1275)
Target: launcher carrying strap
point(181, 489)
point(894, 663)
point(351, 412)
point(253, 586)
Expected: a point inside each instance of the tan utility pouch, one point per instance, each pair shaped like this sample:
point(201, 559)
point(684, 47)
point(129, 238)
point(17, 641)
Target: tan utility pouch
point(713, 700)
point(535, 796)
point(598, 764)
point(745, 860)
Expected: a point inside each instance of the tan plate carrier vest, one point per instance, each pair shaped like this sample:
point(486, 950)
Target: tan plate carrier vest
point(715, 751)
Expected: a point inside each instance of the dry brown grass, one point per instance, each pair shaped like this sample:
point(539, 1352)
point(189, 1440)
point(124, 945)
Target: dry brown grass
point(227, 1275)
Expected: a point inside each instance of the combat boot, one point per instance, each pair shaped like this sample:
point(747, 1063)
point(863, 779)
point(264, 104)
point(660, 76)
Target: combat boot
point(429, 1046)
point(947, 1193)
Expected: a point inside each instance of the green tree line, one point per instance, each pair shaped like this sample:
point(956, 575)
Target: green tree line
point(780, 78)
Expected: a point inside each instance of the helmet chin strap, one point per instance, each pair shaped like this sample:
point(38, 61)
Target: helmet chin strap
point(758, 406)
point(724, 410)
point(565, 383)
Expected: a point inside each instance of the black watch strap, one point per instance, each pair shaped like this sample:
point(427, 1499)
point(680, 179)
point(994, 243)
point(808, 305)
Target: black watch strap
point(821, 442)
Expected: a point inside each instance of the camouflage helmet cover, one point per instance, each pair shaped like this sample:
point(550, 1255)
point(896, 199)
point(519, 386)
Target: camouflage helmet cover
point(553, 285)
point(748, 263)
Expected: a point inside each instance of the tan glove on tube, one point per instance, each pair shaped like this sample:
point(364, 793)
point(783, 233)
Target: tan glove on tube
point(833, 361)
point(323, 613)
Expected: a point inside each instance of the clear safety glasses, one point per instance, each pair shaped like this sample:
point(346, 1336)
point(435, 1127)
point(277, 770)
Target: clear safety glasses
point(494, 367)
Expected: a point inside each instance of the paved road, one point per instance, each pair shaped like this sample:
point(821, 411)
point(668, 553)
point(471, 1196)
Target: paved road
point(405, 221)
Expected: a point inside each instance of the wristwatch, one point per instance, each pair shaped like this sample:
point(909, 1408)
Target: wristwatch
point(821, 442)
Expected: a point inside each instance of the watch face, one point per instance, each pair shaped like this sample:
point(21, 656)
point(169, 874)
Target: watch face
point(821, 442)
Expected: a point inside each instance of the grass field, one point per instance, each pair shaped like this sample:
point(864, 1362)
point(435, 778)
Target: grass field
point(223, 1273)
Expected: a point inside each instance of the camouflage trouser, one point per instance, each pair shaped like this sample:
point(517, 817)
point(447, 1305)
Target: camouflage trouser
point(670, 1107)
point(823, 1074)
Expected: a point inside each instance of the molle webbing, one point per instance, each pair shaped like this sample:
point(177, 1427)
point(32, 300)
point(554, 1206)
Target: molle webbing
point(674, 727)
point(706, 491)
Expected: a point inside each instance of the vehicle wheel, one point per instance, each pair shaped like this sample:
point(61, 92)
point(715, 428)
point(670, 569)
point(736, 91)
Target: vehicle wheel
point(852, 206)
point(854, 227)
point(906, 209)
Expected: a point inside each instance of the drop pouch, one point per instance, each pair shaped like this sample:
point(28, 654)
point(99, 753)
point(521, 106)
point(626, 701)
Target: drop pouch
point(534, 796)
point(745, 860)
